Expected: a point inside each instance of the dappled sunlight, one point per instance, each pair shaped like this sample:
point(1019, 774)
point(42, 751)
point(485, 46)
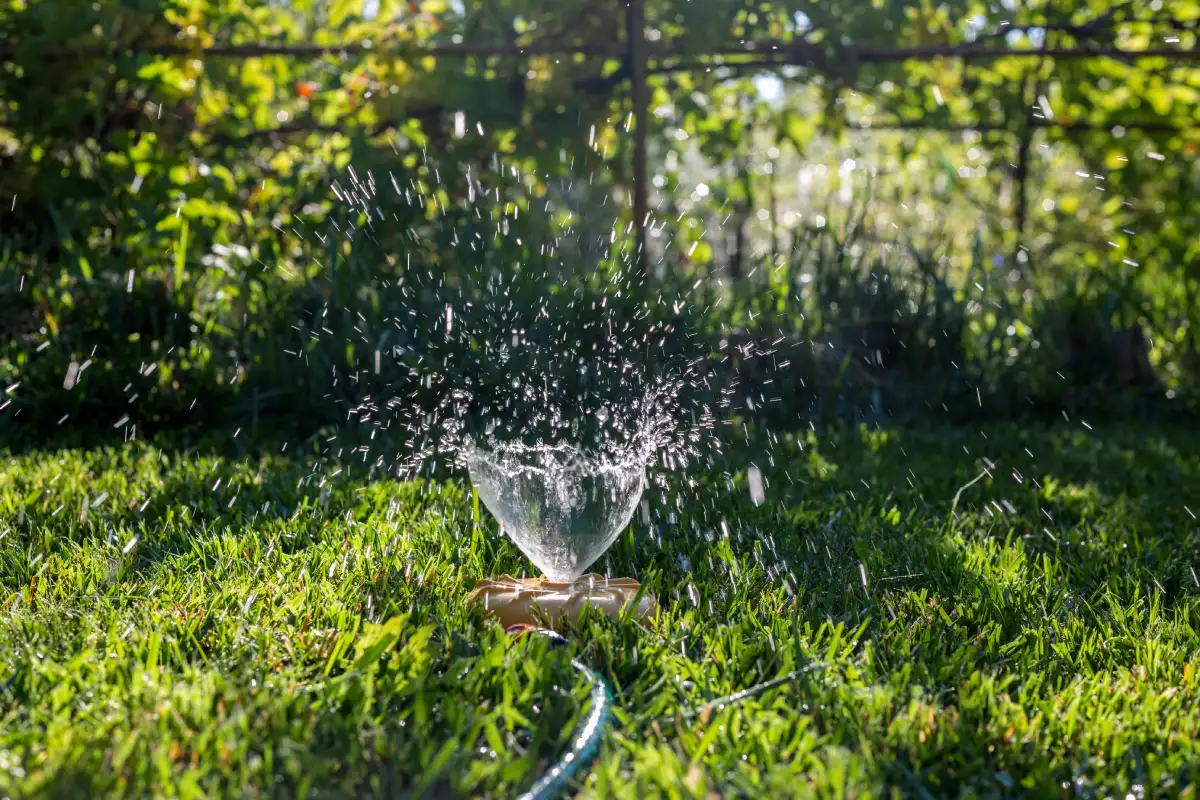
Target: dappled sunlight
point(850, 351)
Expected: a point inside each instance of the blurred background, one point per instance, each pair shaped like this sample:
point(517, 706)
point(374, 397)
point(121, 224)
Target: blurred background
point(220, 212)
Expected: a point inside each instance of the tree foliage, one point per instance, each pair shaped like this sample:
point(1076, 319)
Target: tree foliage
point(172, 165)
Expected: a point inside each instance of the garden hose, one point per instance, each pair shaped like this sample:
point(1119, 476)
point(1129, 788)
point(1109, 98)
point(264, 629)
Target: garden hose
point(585, 741)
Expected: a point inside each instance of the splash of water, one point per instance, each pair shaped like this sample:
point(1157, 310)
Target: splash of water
point(562, 507)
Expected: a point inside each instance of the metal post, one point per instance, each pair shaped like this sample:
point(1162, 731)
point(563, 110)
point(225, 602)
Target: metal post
point(635, 31)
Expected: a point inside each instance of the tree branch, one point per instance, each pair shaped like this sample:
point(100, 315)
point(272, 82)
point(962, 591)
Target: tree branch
point(341, 126)
point(11, 50)
point(1040, 124)
point(778, 54)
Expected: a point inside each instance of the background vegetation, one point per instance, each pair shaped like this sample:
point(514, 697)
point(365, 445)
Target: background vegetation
point(196, 191)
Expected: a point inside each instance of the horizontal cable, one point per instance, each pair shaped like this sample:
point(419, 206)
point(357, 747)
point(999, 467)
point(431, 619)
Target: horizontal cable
point(782, 53)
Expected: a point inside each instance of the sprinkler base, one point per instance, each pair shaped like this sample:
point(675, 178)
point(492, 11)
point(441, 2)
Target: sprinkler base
point(540, 601)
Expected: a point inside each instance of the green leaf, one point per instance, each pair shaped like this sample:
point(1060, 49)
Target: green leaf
point(376, 640)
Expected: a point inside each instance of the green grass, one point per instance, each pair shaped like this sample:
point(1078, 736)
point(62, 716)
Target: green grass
point(287, 631)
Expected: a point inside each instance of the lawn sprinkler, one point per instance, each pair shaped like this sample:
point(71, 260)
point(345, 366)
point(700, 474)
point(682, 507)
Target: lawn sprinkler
point(563, 509)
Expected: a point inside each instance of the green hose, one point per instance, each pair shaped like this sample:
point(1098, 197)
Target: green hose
point(585, 742)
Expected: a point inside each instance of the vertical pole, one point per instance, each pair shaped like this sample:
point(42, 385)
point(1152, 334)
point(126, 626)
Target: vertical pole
point(1022, 199)
point(741, 212)
point(774, 208)
point(1029, 93)
point(635, 31)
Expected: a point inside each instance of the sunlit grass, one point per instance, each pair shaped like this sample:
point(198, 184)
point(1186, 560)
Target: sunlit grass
point(179, 622)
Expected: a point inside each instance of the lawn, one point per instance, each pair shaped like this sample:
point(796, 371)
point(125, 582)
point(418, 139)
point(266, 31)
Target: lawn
point(195, 622)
